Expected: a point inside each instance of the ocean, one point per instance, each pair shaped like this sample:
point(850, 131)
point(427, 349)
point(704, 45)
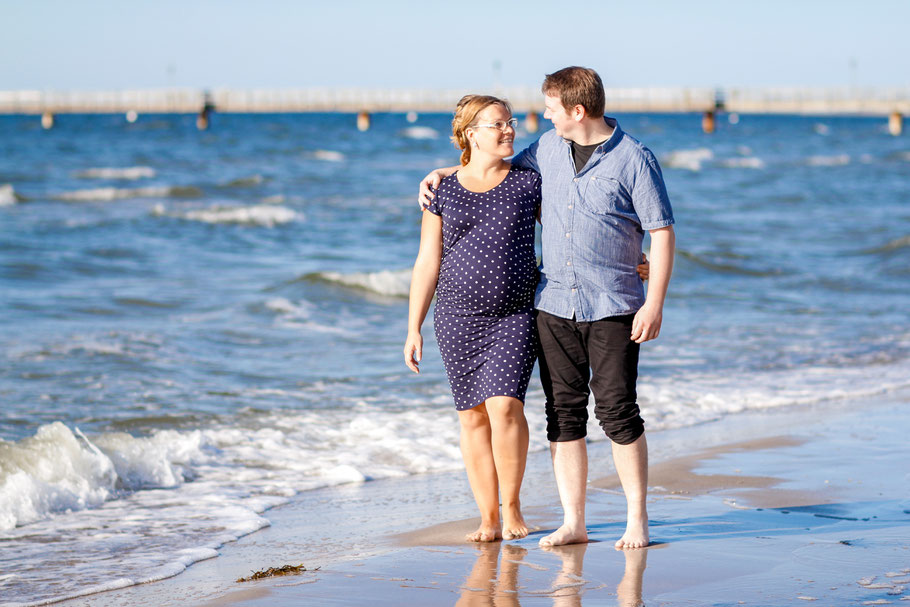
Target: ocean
point(196, 327)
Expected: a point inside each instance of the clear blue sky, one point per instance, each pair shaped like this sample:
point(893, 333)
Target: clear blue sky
point(101, 44)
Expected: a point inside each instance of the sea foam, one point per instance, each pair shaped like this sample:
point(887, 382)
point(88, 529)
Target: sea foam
point(394, 283)
point(691, 160)
point(126, 173)
point(108, 194)
point(420, 132)
point(265, 215)
point(7, 195)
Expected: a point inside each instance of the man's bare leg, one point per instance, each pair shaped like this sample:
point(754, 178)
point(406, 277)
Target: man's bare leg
point(510, 453)
point(570, 466)
point(631, 463)
point(477, 452)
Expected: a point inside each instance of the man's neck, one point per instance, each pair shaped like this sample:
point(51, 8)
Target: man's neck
point(591, 131)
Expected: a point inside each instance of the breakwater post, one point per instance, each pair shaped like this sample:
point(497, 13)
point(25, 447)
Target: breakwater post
point(896, 123)
point(363, 121)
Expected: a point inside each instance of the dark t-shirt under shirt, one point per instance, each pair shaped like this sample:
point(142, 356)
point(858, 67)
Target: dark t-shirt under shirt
point(581, 154)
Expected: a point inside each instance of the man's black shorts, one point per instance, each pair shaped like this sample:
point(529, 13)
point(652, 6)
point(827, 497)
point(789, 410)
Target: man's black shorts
point(577, 358)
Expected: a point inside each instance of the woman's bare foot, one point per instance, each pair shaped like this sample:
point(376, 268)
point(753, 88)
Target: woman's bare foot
point(636, 535)
point(514, 526)
point(565, 535)
point(485, 533)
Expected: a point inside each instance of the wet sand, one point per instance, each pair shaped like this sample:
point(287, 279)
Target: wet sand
point(784, 507)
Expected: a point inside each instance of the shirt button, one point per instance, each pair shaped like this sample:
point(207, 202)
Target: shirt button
point(576, 179)
point(568, 263)
point(573, 290)
point(568, 234)
point(570, 206)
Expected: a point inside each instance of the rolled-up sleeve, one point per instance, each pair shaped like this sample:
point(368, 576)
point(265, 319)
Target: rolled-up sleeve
point(650, 198)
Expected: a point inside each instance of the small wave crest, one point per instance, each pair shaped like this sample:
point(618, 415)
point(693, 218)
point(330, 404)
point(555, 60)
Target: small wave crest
point(420, 132)
point(8, 196)
point(328, 155)
point(108, 194)
point(127, 173)
point(748, 162)
point(892, 245)
point(245, 182)
point(724, 266)
point(258, 215)
point(394, 283)
point(691, 160)
point(837, 160)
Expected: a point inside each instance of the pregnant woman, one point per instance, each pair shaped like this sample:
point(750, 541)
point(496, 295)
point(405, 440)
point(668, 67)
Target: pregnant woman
point(477, 255)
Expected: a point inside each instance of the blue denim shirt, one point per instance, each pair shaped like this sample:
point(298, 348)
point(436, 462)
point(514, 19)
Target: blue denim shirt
point(594, 222)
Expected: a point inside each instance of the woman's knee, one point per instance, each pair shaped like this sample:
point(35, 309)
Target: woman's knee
point(505, 409)
point(474, 418)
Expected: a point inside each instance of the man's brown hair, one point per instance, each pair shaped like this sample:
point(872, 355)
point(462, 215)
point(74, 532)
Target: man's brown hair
point(577, 86)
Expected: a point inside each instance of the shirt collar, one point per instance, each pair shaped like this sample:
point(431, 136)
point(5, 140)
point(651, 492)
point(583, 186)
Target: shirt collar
point(610, 143)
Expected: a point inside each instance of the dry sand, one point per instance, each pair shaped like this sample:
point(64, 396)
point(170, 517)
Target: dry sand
point(785, 507)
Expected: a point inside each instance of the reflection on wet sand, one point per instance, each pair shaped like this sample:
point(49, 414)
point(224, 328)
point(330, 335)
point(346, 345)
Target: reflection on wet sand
point(494, 579)
point(483, 586)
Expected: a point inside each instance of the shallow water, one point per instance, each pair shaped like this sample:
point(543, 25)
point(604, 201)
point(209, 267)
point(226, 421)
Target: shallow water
point(197, 326)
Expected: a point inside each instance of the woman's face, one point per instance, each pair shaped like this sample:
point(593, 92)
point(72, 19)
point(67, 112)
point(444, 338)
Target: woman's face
point(490, 139)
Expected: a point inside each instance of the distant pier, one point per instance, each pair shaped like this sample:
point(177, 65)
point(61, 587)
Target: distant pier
point(848, 100)
point(891, 103)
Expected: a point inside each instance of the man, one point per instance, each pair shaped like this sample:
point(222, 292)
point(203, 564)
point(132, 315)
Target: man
point(601, 190)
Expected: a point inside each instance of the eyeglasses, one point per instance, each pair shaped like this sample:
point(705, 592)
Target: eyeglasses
point(499, 124)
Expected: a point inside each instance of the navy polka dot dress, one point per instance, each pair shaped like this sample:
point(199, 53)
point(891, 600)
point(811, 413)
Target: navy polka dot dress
point(485, 294)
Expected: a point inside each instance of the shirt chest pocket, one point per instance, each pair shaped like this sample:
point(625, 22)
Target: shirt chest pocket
point(603, 196)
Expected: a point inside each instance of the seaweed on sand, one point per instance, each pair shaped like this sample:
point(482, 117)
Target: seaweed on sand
point(276, 572)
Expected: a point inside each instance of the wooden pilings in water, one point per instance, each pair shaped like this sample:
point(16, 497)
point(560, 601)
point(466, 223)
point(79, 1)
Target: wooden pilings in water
point(205, 114)
point(895, 123)
point(363, 121)
point(47, 120)
point(709, 121)
point(532, 122)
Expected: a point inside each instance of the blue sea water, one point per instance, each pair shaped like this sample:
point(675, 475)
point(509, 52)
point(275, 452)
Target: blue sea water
point(198, 326)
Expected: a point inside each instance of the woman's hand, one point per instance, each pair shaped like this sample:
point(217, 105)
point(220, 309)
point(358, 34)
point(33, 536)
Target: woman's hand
point(413, 351)
point(644, 268)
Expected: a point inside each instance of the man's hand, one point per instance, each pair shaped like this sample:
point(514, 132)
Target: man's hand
point(413, 351)
point(430, 183)
point(646, 324)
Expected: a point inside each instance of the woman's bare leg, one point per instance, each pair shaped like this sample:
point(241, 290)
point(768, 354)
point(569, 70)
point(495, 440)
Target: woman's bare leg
point(510, 453)
point(477, 452)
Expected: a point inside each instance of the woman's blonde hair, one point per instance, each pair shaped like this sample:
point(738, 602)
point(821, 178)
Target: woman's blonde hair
point(465, 117)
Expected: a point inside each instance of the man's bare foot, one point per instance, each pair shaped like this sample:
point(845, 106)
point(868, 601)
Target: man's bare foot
point(514, 526)
point(485, 533)
point(636, 535)
point(565, 535)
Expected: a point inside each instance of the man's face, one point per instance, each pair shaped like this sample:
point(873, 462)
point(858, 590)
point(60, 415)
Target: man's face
point(562, 120)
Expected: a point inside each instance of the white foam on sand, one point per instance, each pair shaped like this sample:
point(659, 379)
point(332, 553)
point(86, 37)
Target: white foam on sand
point(691, 160)
point(265, 215)
point(395, 283)
point(7, 195)
point(128, 173)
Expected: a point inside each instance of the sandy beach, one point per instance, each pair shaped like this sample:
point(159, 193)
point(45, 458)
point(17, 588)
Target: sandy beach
point(805, 505)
